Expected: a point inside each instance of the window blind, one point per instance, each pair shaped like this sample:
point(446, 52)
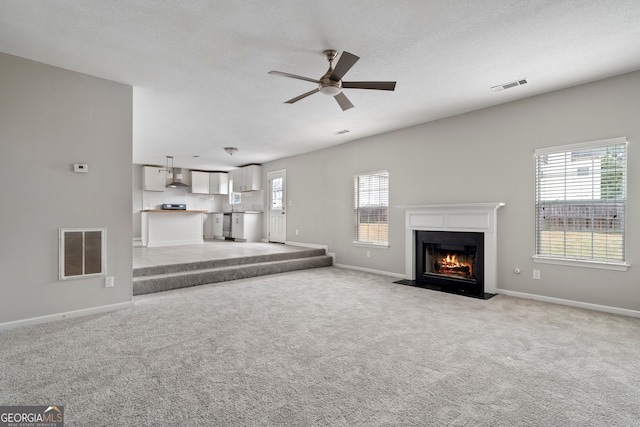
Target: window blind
point(581, 201)
point(371, 210)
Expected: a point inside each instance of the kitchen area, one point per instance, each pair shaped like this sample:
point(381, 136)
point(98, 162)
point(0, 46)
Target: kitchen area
point(177, 206)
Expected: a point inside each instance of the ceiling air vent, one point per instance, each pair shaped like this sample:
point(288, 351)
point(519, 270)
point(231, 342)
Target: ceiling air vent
point(509, 85)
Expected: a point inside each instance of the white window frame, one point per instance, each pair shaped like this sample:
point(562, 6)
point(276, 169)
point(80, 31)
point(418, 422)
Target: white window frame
point(385, 203)
point(542, 155)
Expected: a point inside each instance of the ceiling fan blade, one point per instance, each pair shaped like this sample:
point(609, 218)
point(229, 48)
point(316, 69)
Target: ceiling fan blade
point(344, 102)
point(293, 76)
point(369, 85)
point(304, 95)
point(344, 64)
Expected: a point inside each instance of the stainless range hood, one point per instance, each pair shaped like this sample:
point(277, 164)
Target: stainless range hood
point(176, 175)
point(176, 182)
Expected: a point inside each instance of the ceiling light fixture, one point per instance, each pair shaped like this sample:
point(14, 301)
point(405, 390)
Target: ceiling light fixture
point(230, 150)
point(167, 169)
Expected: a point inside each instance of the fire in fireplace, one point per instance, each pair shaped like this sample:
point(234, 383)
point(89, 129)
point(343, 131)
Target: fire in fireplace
point(451, 261)
point(456, 261)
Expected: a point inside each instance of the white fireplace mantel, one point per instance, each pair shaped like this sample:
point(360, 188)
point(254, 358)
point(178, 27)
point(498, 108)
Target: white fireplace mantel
point(469, 217)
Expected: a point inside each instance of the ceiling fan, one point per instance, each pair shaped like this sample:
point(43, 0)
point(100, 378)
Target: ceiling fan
point(331, 82)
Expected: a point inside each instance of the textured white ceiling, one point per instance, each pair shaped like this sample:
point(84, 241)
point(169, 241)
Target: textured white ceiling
point(199, 68)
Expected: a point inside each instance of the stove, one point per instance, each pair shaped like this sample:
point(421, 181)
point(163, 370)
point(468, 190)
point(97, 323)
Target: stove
point(174, 207)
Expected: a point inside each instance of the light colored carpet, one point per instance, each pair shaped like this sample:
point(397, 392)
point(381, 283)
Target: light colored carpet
point(329, 347)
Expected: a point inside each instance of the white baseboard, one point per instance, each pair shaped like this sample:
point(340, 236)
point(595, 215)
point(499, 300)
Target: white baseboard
point(60, 316)
point(571, 303)
point(370, 270)
point(314, 246)
point(307, 245)
point(348, 267)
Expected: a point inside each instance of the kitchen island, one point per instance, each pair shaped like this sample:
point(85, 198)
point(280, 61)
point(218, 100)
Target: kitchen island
point(171, 227)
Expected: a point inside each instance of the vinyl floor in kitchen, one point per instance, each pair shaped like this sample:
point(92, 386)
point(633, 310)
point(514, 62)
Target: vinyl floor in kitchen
point(211, 249)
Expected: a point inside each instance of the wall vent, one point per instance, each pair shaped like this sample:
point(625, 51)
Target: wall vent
point(82, 252)
point(509, 85)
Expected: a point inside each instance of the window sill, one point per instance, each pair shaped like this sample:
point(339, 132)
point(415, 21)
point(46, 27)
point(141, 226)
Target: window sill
point(622, 266)
point(372, 245)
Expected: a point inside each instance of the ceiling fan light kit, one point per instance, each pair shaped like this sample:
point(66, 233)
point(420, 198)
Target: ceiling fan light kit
point(331, 82)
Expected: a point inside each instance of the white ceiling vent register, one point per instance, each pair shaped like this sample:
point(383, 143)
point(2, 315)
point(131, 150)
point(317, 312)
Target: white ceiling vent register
point(509, 85)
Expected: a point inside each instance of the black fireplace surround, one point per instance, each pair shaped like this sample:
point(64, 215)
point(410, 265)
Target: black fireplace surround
point(450, 261)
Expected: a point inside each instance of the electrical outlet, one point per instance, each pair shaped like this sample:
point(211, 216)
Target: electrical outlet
point(536, 274)
point(297, 231)
point(368, 254)
point(108, 282)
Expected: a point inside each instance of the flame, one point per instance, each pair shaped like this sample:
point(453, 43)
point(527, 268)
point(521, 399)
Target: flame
point(451, 261)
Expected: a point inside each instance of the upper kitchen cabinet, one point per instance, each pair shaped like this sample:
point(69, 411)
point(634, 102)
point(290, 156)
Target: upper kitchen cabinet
point(153, 178)
point(219, 183)
point(200, 182)
point(247, 178)
point(209, 182)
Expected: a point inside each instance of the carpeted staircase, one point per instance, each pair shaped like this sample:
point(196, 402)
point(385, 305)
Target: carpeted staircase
point(159, 278)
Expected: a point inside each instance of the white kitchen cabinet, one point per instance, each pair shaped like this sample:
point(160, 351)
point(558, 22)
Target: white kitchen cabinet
point(207, 226)
point(237, 225)
point(200, 182)
point(236, 176)
point(217, 220)
point(209, 182)
point(218, 183)
point(153, 178)
point(246, 226)
point(247, 178)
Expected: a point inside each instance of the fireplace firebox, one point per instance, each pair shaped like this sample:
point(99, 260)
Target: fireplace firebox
point(450, 261)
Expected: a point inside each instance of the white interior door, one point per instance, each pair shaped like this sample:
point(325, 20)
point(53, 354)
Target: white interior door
point(277, 206)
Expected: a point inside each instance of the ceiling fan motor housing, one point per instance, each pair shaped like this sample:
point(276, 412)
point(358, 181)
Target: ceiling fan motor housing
point(330, 87)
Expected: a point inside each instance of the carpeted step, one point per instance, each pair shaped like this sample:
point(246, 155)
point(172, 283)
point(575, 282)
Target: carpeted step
point(200, 265)
point(183, 279)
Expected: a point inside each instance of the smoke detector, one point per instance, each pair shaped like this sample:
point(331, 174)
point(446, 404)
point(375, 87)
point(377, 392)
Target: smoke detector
point(509, 85)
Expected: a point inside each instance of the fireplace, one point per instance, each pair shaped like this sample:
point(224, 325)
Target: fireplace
point(452, 247)
point(451, 261)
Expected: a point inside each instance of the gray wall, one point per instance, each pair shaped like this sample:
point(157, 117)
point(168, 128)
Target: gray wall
point(51, 118)
point(482, 156)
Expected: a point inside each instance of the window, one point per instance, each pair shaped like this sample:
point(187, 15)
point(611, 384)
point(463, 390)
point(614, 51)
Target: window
point(581, 202)
point(82, 252)
point(277, 193)
point(234, 198)
point(371, 209)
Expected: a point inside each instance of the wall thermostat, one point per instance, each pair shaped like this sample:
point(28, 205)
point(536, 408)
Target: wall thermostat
point(81, 167)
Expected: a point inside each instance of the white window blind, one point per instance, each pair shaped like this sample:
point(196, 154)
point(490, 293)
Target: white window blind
point(371, 210)
point(581, 201)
